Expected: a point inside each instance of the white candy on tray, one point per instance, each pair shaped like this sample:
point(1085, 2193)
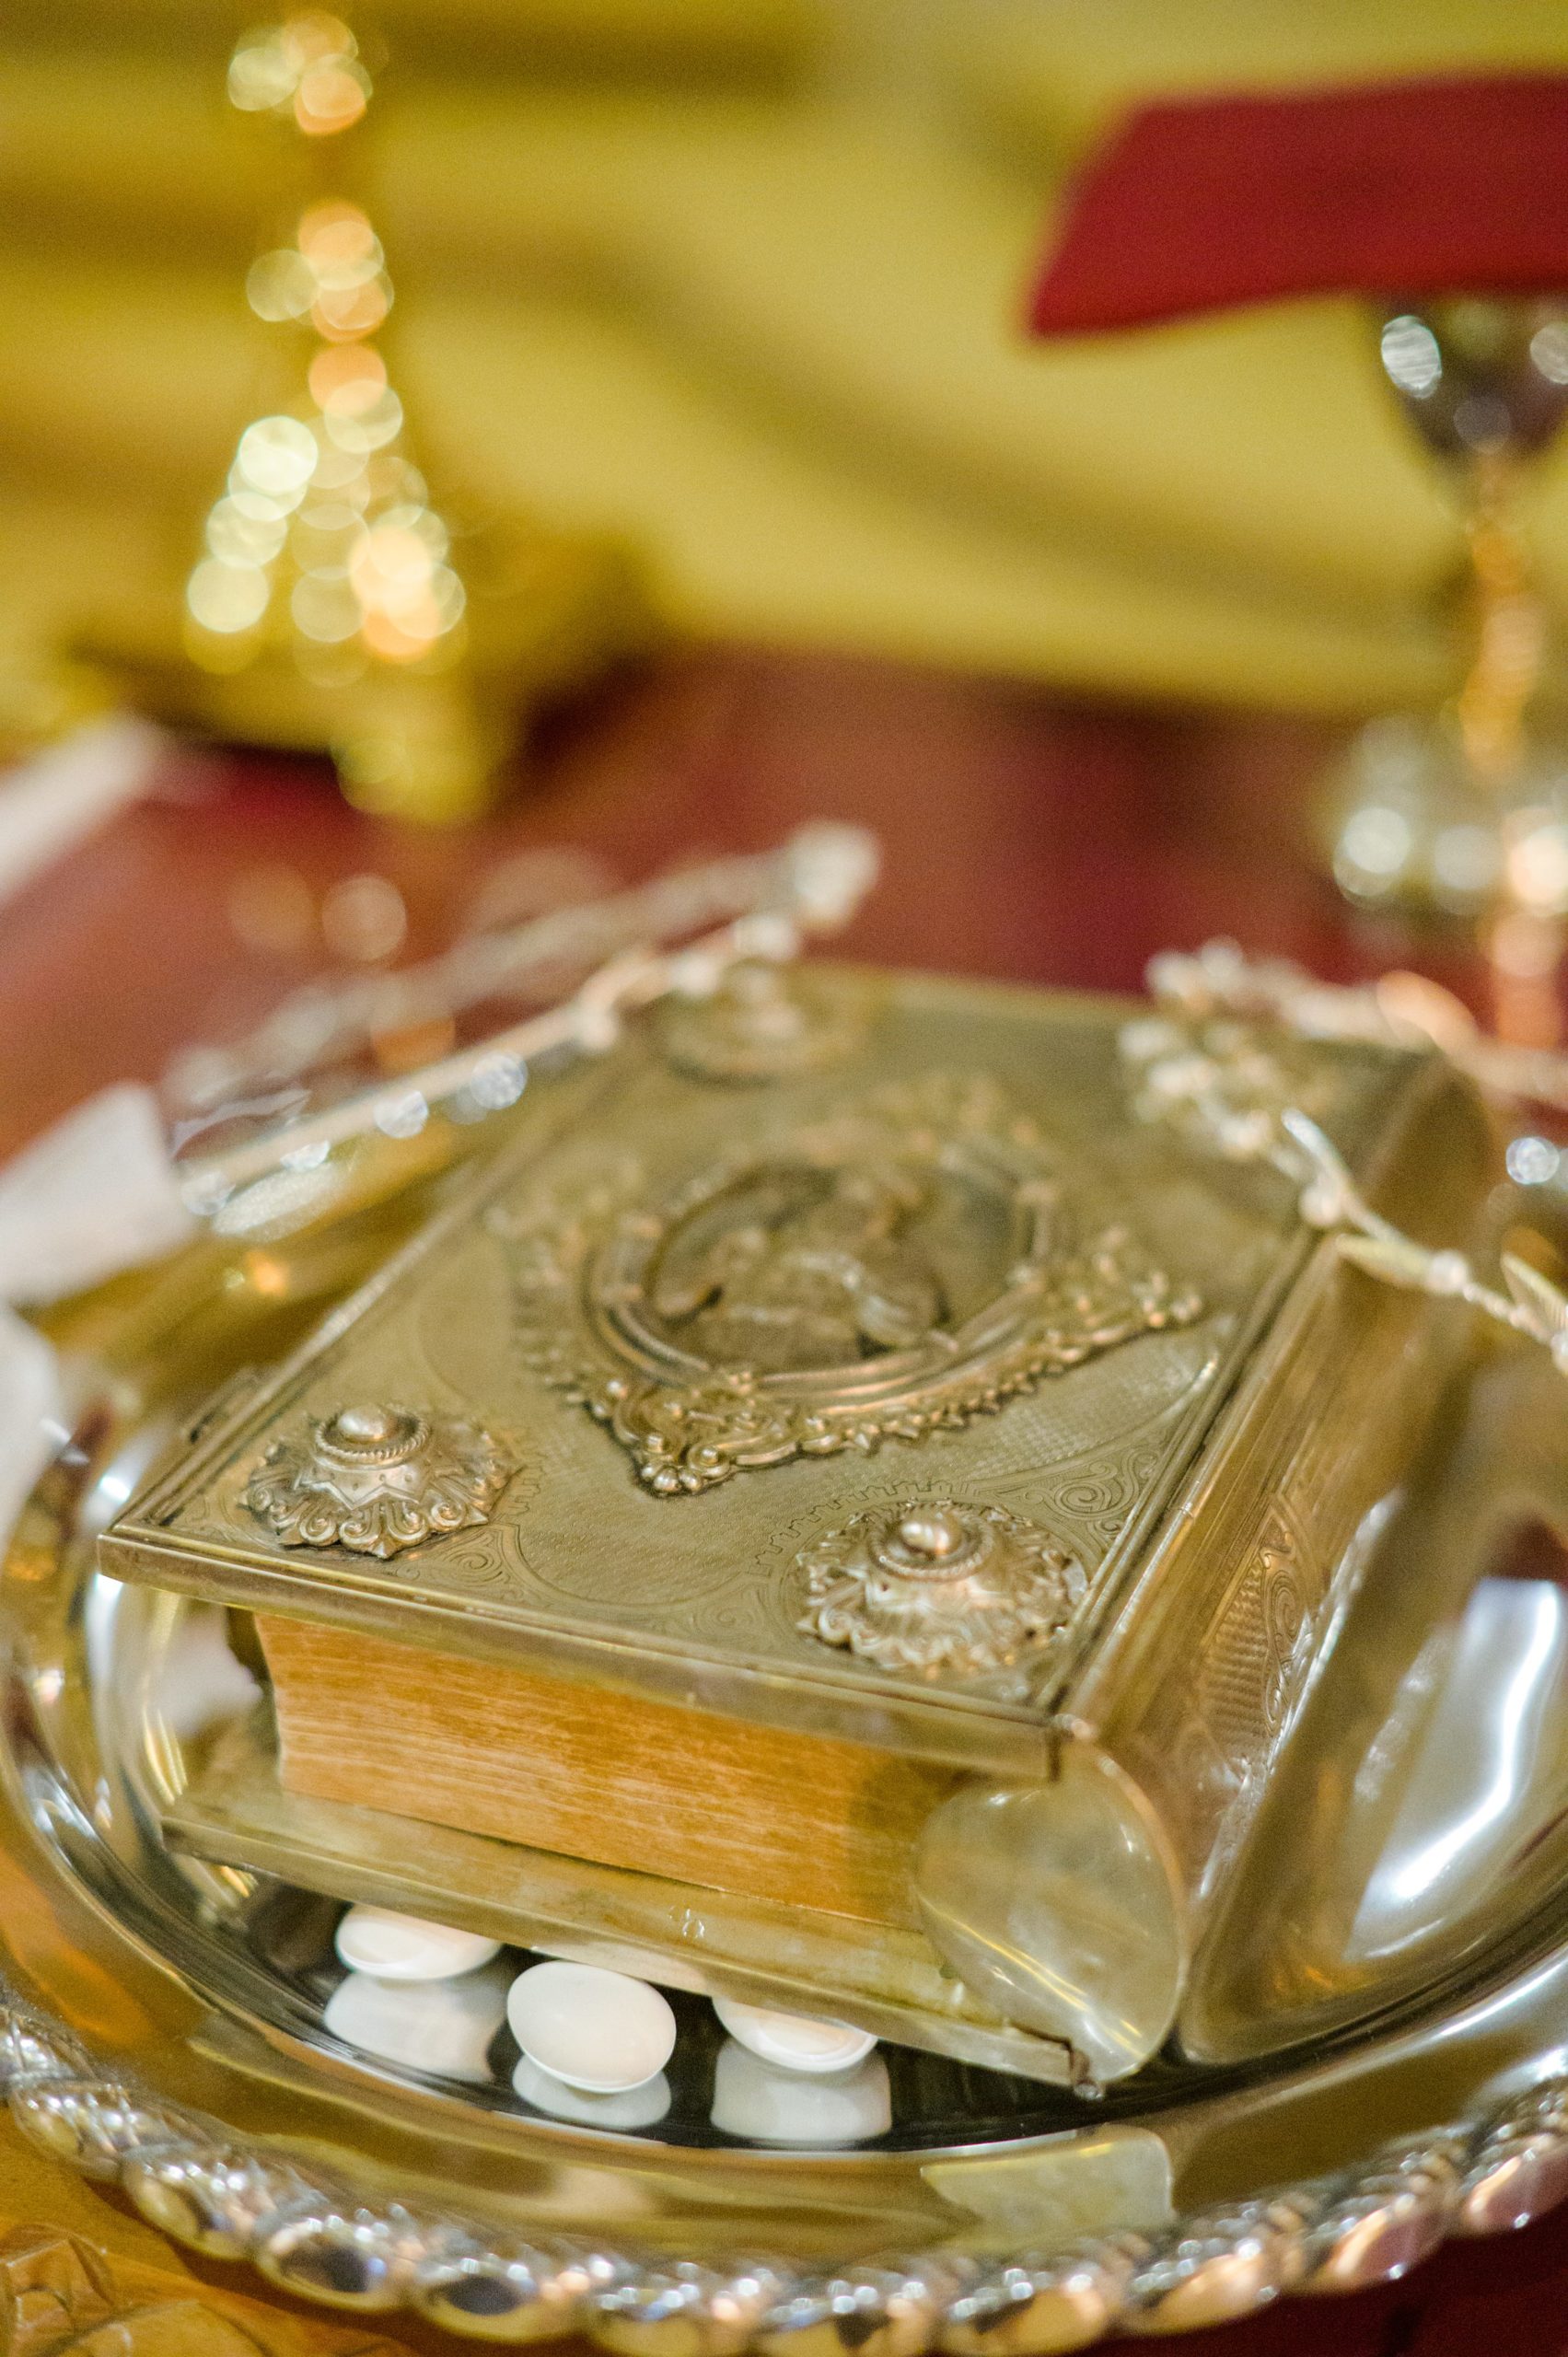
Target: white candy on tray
point(794, 2041)
point(598, 2030)
point(404, 1947)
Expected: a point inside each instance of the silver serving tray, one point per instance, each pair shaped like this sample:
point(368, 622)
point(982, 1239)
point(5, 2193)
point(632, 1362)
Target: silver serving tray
point(167, 2025)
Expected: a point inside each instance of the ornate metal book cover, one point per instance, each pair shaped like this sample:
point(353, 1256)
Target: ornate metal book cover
point(853, 1363)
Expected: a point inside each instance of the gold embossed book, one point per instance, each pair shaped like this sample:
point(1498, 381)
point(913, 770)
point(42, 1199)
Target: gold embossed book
point(845, 1512)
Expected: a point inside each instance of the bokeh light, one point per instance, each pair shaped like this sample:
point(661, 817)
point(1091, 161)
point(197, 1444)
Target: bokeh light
point(323, 541)
point(364, 919)
point(307, 68)
point(277, 457)
point(227, 597)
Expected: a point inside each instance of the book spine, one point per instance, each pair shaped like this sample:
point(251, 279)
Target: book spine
point(1198, 1688)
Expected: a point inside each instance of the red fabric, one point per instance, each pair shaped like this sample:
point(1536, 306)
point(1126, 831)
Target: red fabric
point(1411, 188)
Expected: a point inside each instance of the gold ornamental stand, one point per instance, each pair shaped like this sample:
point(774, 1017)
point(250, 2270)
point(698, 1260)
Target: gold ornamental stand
point(337, 603)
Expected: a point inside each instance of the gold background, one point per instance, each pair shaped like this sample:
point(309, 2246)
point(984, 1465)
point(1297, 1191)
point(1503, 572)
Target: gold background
point(742, 279)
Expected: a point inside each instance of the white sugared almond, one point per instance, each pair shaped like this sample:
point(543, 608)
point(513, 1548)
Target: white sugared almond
point(403, 1947)
point(794, 2041)
point(593, 2028)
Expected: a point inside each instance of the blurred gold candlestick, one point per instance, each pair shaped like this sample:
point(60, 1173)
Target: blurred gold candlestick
point(337, 604)
point(1463, 809)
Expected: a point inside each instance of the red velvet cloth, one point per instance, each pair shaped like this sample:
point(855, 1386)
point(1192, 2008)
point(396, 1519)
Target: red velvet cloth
point(1406, 188)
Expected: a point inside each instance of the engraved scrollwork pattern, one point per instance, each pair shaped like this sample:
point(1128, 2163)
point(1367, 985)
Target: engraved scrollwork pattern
point(1248, 1673)
point(1101, 1501)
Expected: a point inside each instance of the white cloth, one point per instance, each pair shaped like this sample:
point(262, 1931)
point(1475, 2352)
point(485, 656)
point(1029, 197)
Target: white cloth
point(58, 798)
point(92, 1196)
point(32, 1418)
point(95, 1194)
point(199, 1681)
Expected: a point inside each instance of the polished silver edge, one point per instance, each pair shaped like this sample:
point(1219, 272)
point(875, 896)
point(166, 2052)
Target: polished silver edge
point(325, 2239)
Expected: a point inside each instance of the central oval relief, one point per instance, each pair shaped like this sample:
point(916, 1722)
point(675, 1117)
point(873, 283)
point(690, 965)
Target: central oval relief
point(812, 1269)
point(907, 1264)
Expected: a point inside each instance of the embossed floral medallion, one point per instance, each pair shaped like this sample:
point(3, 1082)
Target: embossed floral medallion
point(947, 1590)
point(909, 1263)
point(377, 1479)
point(761, 1024)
